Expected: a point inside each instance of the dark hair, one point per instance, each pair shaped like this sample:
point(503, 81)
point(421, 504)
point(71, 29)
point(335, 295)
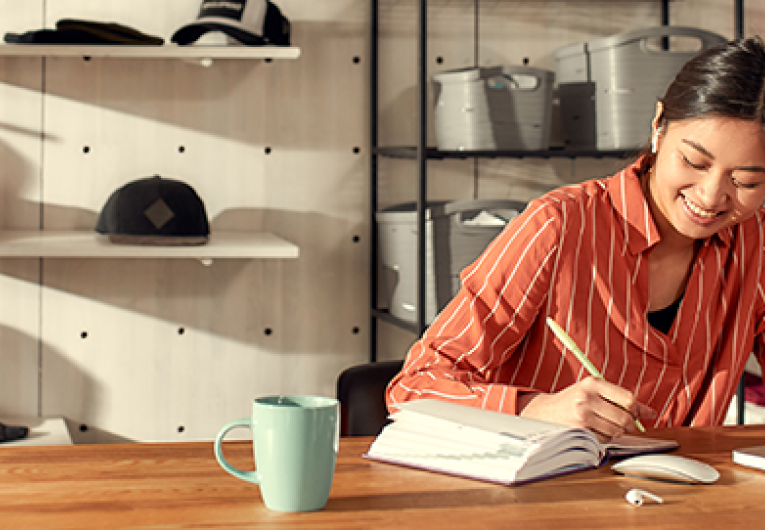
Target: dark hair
point(727, 80)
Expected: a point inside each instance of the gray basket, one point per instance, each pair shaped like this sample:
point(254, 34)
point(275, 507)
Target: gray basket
point(454, 239)
point(620, 78)
point(497, 108)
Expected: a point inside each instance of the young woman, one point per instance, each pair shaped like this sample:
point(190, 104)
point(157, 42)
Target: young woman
point(657, 273)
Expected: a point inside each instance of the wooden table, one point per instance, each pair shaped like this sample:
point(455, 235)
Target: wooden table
point(179, 485)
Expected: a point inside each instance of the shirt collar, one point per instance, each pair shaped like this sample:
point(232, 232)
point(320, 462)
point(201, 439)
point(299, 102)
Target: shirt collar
point(627, 198)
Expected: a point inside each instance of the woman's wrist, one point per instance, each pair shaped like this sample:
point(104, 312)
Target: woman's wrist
point(524, 399)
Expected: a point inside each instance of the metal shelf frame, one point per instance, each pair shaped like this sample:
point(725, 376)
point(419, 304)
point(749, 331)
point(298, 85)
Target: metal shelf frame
point(421, 153)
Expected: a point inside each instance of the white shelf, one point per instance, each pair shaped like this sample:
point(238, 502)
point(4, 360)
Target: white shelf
point(88, 244)
point(42, 431)
point(168, 51)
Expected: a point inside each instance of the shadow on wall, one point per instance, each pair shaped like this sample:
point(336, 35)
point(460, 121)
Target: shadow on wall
point(232, 99)
point(252, 301)
point(63, 386)
point(16, 210)
point(248, 300)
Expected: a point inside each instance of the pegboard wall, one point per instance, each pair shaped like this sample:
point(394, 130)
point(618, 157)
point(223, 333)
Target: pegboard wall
point(170, 349)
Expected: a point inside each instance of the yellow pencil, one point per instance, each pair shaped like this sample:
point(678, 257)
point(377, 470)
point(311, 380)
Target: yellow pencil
point(571, 345)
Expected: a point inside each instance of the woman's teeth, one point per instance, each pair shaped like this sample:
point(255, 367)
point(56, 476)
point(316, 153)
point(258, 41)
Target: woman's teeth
point(698, 210)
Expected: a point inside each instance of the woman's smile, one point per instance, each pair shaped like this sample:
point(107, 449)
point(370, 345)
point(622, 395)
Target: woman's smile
point(698, 213)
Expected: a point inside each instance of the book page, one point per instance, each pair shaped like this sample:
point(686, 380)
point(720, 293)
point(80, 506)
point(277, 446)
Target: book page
point(504, 463)
point(526, 431)
point(630, 445)
point(424, 451)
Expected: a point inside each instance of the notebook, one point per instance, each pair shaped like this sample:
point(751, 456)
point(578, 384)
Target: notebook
point(750, 456)
point(457, 439)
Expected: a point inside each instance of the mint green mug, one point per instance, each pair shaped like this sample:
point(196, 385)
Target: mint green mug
point(294, 444)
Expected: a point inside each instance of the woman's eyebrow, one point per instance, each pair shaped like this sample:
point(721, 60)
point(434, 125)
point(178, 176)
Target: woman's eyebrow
point(700, 149)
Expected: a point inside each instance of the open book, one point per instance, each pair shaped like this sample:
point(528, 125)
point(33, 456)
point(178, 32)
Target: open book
point(457, 439)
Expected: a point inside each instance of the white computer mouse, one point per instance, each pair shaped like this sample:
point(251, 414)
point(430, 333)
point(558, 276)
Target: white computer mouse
point(667, 467)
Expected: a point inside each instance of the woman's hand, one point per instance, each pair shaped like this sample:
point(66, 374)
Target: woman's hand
point(607, 410)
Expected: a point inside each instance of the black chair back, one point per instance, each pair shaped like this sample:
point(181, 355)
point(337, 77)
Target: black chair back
point(361, 392)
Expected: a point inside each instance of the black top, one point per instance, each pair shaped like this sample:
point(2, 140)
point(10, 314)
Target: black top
point(663, 318)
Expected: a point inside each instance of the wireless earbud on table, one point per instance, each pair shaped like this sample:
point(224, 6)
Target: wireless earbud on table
point(637, 497)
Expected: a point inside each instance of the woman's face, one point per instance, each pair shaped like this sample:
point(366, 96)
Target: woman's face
point(709, 174)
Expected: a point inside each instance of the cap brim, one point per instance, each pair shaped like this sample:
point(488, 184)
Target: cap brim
point(191, 32)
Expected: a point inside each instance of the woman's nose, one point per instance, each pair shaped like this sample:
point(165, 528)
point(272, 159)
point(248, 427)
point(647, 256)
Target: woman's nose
point(714, 189)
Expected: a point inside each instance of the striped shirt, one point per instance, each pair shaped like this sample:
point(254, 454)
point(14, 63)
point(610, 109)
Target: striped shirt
point(580, 255)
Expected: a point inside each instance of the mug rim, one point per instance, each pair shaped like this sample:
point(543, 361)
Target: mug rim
point(304, 401)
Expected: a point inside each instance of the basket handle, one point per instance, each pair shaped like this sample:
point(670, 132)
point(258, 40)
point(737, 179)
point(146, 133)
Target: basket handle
point(483, 204)
point(706, 38)
point(528, 82)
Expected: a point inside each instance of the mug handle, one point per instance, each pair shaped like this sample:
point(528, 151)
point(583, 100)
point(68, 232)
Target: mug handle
point(249, 476)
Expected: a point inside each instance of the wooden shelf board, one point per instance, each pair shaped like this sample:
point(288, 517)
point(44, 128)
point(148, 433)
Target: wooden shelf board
point(88, 244)
point(168, 51)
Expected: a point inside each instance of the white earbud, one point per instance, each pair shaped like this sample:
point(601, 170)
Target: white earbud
point(655, 140)
point(637, 497)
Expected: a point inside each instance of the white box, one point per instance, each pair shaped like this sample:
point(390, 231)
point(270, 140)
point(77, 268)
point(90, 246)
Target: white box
point(456, 234)
point(627, 76)
point(496, 108)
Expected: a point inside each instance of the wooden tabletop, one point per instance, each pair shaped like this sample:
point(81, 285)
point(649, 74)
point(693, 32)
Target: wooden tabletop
point(179, 485)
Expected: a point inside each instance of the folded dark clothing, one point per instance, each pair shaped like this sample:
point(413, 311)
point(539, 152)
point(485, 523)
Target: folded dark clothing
point(9, 433)
point(71, 31)
point(112, 31)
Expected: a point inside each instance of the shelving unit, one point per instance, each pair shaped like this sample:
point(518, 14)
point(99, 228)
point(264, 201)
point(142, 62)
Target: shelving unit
point(422, 153)
point(87, 244)
point(115, 338)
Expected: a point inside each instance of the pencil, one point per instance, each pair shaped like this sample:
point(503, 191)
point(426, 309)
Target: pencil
point(571, 345)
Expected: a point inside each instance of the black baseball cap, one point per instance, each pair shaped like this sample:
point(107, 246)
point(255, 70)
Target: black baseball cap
point(155, 211)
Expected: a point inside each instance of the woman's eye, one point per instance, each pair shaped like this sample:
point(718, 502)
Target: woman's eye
point(744, 185)
point(691, 164)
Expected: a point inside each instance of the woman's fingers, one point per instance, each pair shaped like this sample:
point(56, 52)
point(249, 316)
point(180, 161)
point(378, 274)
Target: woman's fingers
point(606, 409)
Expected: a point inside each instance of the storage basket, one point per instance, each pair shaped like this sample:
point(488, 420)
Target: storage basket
point(456, 234)
point(626, 77)
point(493, 108)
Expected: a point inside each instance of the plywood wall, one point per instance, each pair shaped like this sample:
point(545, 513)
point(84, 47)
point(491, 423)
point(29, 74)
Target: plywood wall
point(148, 349)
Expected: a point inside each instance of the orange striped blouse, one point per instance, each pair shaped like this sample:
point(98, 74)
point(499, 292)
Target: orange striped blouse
point(580, 255)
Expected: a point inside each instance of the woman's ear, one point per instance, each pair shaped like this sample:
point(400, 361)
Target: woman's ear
point(656, 126)
point(657, 119)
